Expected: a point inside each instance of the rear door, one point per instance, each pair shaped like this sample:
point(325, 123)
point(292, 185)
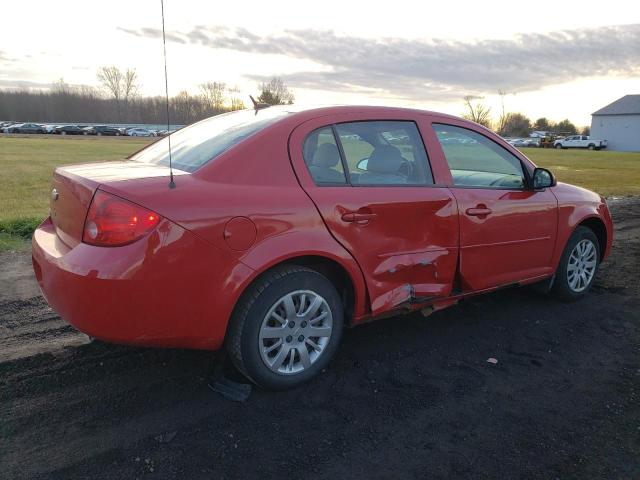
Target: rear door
point(507, 230)
point(372, 184)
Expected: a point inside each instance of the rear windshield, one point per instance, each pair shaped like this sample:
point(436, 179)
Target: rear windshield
point(195, 145)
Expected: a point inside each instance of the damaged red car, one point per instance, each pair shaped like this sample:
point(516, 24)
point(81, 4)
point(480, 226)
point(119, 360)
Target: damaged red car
point(281, 226)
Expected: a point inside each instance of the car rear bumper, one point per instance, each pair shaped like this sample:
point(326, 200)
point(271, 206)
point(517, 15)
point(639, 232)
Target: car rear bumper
point(162, 290)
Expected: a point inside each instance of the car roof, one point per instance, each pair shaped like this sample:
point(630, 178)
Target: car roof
point(302, 113)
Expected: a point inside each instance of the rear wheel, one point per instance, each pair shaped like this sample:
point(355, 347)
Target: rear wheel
point(578, 265)
point(286, 327)
point(558, 145)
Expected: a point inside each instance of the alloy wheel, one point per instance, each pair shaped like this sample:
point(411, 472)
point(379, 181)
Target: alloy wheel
point(582, 265)
point(295, 332)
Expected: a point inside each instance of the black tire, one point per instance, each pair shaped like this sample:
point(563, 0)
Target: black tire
point(558, 145)
point(591, 147)
point(243, 333)
point(561, 287)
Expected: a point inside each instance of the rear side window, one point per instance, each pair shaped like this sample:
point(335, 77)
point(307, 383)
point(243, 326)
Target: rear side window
point(476, 161)
point(321, 154)
point(384, 153)
point(195, 145)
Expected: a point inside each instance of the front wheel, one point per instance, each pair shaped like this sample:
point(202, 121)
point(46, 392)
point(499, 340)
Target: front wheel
point(578, 265)
point(286, 327)
point(591, 147)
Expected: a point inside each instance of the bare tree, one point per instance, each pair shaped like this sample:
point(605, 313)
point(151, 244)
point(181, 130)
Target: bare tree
point(213, 94)
point(111, 80)
point(121, 86)
point(236, 101)
point(516, 125)
point(61, 87)
point(130, 85)
point(477, 111)
point(504, 116)
point(275, 92)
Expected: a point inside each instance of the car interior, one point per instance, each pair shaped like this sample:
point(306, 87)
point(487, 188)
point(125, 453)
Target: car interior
point(476, 161)
point(377, 153)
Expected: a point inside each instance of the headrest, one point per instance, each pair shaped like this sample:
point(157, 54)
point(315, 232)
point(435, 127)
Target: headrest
point(385, 159)
point(326, 156)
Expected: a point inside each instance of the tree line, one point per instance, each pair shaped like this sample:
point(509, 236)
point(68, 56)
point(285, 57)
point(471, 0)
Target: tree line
point(514, 124)
point(117, 100)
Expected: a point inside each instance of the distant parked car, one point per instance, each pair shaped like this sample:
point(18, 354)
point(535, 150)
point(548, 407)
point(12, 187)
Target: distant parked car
point(6, 126)
point(68, 130)
point(103, 130)
point(50, 128)
point(26, 128)
point(163, 133)
point(523, 142)
point(140, 132)
point(516, 142)
point(580, 141)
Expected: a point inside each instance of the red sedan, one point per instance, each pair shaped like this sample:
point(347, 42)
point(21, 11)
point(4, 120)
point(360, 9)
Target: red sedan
point(286, 225)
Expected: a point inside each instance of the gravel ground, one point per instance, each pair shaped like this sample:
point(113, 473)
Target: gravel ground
point(406, 397)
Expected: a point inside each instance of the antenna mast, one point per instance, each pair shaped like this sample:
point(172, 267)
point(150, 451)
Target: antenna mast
point(166, 89)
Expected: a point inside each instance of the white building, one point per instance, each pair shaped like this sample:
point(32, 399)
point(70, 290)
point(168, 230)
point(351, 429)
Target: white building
point(619, 124)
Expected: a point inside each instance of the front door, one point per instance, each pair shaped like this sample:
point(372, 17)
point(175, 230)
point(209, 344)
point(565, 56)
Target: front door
point(373, 186)
point(507, 230)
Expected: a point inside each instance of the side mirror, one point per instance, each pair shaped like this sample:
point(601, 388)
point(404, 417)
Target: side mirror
point(543, 178)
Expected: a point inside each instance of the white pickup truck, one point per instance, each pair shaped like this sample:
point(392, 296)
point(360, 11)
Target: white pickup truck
point(580, 141)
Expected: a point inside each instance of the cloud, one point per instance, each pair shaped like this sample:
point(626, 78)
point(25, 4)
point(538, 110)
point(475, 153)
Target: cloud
point(432, 68)
point(24, 84)
point(5, 58)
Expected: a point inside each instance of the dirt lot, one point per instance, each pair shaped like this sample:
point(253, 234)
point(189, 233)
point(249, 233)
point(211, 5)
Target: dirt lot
point(406, 397)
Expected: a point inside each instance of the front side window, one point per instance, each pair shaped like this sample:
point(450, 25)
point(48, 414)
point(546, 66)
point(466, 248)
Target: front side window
point(321, 154)
point(195, 145)
point(384, 153)
point(476, 161)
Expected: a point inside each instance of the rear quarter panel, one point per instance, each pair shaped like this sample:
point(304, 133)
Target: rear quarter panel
point(253, 181)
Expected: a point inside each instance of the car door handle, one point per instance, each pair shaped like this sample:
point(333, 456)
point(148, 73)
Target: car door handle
point(358, 217)
point(478, 211)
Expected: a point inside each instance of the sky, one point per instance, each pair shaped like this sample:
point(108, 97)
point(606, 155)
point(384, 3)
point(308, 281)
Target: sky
point(563, 61)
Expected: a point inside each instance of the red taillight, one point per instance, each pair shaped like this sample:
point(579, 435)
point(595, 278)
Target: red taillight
point(113, 221)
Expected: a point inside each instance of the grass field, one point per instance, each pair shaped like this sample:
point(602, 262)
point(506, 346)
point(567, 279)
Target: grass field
point(26, 164)
point(608, 173)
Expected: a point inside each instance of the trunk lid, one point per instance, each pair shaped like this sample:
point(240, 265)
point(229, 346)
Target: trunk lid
point(73, 188)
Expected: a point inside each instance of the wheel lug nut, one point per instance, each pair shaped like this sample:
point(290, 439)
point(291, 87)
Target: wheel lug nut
point(301, 338)
point(303, 324)
point(289, 338)
point(292, 324)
